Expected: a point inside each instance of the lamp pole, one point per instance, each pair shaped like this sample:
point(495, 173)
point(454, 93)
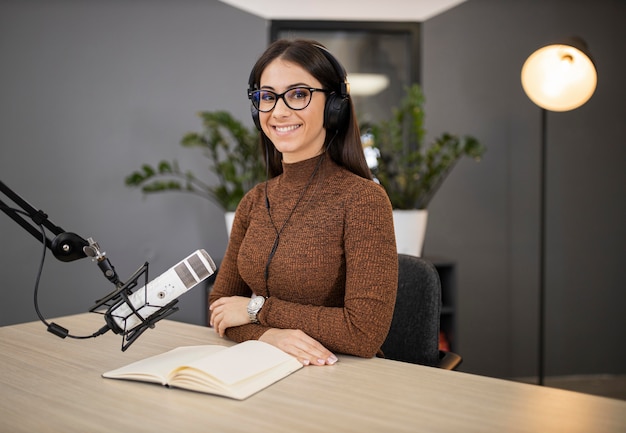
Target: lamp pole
point(557, 77)
point(542, 247)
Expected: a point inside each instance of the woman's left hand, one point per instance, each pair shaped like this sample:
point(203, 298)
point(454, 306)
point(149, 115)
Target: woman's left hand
point(229, 311)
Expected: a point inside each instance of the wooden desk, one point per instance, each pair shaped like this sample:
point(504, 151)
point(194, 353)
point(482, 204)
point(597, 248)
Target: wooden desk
point(50, 384)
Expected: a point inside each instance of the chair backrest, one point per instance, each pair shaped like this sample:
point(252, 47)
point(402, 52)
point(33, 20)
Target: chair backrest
point(414, 333)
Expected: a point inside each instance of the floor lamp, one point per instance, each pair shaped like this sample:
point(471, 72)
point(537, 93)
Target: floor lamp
point(557, 77)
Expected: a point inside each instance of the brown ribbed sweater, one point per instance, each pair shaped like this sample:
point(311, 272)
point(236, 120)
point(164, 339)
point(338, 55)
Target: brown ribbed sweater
point(335, 271)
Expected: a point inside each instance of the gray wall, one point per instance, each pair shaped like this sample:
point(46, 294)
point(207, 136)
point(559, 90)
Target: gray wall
point(90, 90)
point(486, 216)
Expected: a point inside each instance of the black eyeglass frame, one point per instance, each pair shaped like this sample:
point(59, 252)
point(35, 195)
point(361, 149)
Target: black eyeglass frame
point(282, 96)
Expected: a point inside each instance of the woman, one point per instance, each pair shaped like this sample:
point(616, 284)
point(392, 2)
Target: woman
point(311, 265)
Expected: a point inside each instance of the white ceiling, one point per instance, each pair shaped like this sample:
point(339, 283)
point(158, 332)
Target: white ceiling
point(345, 10)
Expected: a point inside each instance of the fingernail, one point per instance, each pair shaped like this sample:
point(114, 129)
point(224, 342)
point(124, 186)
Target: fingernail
point(332, 359)
point(305, 362)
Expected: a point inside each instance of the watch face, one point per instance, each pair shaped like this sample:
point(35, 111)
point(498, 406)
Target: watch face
point(256, 303)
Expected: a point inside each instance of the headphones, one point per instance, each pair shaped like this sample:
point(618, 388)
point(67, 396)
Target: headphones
point(337, 107)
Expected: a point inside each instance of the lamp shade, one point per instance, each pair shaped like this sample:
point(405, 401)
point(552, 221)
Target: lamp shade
point(367, 84)
point(560, 77)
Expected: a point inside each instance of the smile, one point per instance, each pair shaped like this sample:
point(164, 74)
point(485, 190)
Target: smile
point(286, 128)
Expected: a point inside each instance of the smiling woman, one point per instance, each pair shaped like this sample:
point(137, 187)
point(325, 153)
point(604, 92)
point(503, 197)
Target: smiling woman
point(295, 127)
point(311, 265)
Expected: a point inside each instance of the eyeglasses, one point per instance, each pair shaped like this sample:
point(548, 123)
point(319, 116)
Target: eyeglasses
point(296, 98)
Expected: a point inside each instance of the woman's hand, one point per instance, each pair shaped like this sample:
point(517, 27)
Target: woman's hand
point(232, 311)
point(298, 344)
point(229, 311)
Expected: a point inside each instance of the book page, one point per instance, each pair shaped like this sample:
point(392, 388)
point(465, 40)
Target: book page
point(157, 368)
point(238, 371)
point(241, 361)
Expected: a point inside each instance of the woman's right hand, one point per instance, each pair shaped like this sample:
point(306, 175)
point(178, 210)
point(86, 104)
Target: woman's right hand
point(298, 344)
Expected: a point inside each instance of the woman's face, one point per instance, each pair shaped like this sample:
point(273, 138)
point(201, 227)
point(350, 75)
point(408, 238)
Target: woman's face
point(297, 134)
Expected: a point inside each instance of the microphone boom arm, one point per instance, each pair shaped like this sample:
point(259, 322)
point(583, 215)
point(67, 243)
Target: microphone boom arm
point(67, 247)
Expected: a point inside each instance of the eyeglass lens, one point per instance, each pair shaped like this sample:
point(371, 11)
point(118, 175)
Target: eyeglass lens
point(297, 98)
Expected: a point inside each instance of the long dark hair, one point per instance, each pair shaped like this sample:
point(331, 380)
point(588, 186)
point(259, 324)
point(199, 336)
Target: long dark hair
point(346, 149)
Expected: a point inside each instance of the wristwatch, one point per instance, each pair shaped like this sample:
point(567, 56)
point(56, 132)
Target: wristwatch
point(254, 306)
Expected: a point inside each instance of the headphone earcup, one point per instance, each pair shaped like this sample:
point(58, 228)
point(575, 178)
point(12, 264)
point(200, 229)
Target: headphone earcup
point(255, 117)
point(336, 111)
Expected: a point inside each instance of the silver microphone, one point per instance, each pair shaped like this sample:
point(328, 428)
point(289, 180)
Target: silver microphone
point(164, 289)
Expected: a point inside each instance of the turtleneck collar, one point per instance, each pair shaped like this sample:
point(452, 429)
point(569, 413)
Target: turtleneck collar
point(297, 174)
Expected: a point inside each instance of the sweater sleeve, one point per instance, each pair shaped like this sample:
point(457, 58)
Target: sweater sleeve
point(371, 266)
point(228, 281)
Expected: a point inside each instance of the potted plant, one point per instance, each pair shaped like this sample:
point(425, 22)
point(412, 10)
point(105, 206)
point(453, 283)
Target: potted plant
point(411, 171)
point(233, 155)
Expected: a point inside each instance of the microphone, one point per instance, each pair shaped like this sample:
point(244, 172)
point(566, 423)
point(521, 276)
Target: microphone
point(125, 311)
point(156, 298)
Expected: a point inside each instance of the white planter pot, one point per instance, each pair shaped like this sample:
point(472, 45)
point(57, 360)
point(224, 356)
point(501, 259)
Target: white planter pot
point(229, 217)
point(410, 227)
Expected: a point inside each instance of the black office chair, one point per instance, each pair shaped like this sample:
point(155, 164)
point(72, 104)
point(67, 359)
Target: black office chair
point(414, 333)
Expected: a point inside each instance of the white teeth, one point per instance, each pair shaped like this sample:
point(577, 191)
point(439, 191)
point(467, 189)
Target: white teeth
point(286, 128)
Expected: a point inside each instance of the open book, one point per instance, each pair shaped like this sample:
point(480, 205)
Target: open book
point(236, 372)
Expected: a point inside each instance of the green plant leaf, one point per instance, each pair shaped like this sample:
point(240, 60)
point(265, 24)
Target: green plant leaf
point(411, 171)
point(232, 152)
